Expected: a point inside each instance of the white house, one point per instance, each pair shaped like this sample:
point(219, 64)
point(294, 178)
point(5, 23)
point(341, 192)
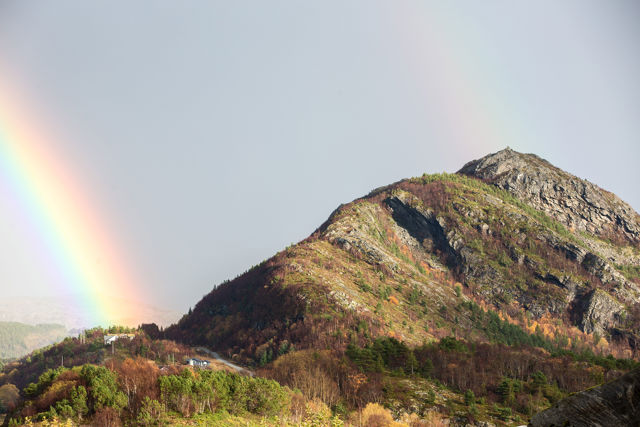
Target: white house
point(109, 339)
point(197, 362)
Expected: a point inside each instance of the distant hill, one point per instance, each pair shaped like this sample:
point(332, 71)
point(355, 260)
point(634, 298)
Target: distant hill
point(19, 339)
point(34, 310)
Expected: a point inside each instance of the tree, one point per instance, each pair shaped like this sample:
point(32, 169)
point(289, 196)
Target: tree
point(79, 401)
point(9, 397)
point(538, 381)
point(103, 388)
point(505, 390)
point(469, 398)
point(411, 361)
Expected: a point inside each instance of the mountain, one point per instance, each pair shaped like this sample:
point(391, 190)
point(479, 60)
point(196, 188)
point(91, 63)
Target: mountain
point(39, 310)
point(18, 339)
point(616, 403)
point(476, 298)
point(509, 234)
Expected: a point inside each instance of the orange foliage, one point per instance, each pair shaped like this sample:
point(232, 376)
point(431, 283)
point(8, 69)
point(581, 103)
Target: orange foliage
point(375, 415)
point(57, 391)
point(138, 378)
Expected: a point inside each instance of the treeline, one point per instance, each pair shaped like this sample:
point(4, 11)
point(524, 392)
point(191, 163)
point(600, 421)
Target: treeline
point(525, 379)
point(135, 391)
point(89, 348)
point(502, 332)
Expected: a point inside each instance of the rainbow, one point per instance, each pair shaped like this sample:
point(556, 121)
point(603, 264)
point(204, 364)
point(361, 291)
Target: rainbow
point(61, 216)
point(475, 114)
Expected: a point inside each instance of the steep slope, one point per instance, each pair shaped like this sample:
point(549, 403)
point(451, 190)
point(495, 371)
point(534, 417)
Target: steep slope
point(415, 259)
point(616, 403)
point(576, 203)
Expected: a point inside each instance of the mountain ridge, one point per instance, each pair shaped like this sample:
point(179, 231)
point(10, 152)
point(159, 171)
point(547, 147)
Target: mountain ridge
point(474, 230)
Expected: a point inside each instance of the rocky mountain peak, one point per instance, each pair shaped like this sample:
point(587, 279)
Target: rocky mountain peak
point(575, 202)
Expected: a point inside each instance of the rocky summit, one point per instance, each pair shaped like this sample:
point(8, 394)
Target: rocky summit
point(574, 202)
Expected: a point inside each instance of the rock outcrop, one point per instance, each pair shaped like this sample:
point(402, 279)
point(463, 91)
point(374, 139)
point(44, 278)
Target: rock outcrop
point(407, 250)
point(576, 203)
point(616, 403)
point(600, 312)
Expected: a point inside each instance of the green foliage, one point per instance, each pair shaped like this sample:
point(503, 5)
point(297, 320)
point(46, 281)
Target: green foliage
point(363, 285)
point(384, 353)
point(631, 272)
point(414, 295)
point(538, 380)
point(503, 413)
point(609, 362)
point(385, 292)
point(505, 196)
point(151, 413)
point(119, 329)
point(507, 389)
point(453, 345)
point(18, 339)
point(220, 391)
point(285, 347)
point(469, 398)
point(102, 388)
point(44, 381)
point(265, 357)
point(501, 331)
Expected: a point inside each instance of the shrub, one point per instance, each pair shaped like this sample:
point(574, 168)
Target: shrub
point(151, 413)
point(469, 398)
point(375, 415)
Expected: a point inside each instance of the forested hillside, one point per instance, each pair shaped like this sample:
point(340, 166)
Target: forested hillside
point(18, 339)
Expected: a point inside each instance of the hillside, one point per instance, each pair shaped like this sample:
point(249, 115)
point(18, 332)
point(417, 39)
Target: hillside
point(18, 339)
point(412, 259)
point(144, 381)
point(484, 296)
point(512, 280)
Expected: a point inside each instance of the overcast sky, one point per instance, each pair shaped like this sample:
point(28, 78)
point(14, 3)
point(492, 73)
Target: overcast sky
point(213, 134)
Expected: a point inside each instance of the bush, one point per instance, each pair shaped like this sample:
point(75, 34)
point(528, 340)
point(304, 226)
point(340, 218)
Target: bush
point(151, 413)
point(469, 398)
point(375, 415)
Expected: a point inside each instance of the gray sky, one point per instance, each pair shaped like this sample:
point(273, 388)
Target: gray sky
point(212, 134)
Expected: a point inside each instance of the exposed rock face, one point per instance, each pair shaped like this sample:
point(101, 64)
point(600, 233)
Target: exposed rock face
point(600, 311)
point(613, 404)
point(577, 203)
point(424, 237)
